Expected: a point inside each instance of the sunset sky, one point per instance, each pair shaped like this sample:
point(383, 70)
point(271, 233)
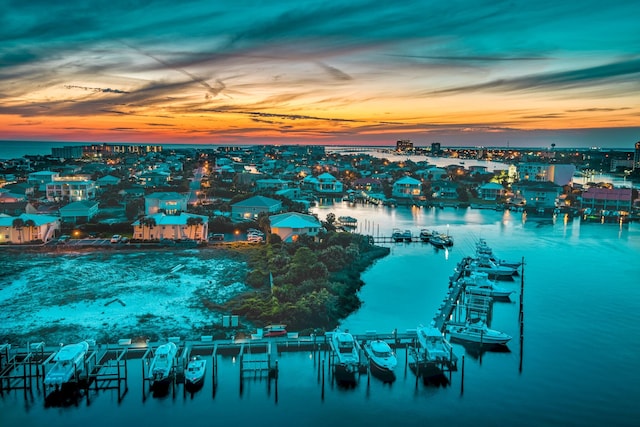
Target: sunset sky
point(523, 73)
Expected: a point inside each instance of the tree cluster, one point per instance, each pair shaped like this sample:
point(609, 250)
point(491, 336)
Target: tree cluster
point(307, 284)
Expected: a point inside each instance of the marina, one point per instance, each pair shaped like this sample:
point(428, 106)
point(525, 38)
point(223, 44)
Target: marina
point(522, 371)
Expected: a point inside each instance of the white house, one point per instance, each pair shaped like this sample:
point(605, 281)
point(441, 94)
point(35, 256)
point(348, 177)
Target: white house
point(289, 226)
point(172, 227)
point(250, 208)
point(559, 174)
point(406, 187)
point(71, 188)
point(27, 228)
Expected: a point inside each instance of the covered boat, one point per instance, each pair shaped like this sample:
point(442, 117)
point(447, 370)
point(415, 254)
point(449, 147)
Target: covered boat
point(478, 283)
point(347, 353)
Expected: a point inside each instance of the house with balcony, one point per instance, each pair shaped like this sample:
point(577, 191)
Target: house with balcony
point(73, 189)
point(27, 228)
point(537, 195)
point(154, 179)
point(250, 208)
point(324, 183)
point(491, 191)
point(79, 212)
point(184, 226)
point(40, 179)
point(291, 225)
point(370, 185)
point(170, 202)
point(407, 188)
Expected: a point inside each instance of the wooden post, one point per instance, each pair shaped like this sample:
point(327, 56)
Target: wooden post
point(462, 377)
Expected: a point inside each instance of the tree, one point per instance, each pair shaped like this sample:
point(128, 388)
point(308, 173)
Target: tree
point(18, 224)
point(193, 222)
point(30, 224)
point(264, 224)
point(147, 223)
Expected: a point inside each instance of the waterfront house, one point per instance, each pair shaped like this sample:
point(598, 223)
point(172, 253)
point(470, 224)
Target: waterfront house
point(71, 188)
point(491, 191)
point(289, 226)
point(443, 189)
point(406, 187)
point(168, 202)
point(614, 199)
point(324, 183)
point(26, 228)
point(79, 212)
point(172, 227)
point(540, 195)
point(370, 185)
point(249, 209)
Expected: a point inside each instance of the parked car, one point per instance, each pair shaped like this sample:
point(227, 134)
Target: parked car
point(216, 237)
point(63, 239)
point(116, 238)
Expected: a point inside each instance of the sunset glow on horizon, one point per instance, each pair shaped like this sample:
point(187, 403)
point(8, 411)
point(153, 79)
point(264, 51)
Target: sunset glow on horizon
point(249, 72)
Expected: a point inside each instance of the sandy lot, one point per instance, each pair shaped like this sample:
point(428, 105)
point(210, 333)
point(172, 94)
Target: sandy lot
point(109, 295)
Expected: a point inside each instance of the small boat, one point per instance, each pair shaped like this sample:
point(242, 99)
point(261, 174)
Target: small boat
point(381, 356)
point(477, 332)
point(161, 367)
point(397, 235)
point(432, 346)
point(484, 265)
point(194, 373)
point(482, 248)
point(478, 283)
point(69, 362)
point(273, 331)
point(347, 221)
point(347, 352)
point(407, 236)
point(425, 235)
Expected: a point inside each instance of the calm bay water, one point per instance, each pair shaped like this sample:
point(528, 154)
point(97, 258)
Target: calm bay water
point(581, 340)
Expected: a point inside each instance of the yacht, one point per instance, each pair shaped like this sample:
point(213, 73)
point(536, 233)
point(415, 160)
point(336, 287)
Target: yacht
point(432, 346)
point(477, 332)
point(69, 362)
point(347, 352)
point(194, 375)
point(484, 265)
point(381, 356)
point(161, 368)
point(482, 248)
point(478, 283)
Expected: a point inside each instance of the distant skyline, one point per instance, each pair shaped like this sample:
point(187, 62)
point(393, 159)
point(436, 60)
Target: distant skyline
point(462, 73)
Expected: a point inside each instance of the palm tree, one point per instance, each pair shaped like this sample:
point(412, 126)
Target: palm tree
point(31, 224)
point(147, 223)
point(264, 223)
point(18, 224)
point(193, 222)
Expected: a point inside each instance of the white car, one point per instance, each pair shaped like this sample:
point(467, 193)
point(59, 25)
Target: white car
point(116, 238)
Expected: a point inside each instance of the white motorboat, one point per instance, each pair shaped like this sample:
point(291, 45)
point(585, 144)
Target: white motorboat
point(397, 235)
point(478, 283)
point(69, 362)
point(347, 352)
point(477, 332)
point(381, 356)
point(482, 248)
point(432, 346)
point(161, 367)
point(484, 265)
point(407, 236)
point(195, 371)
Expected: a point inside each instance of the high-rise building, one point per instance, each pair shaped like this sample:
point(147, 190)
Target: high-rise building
point(636, 157)
point(404, 145)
